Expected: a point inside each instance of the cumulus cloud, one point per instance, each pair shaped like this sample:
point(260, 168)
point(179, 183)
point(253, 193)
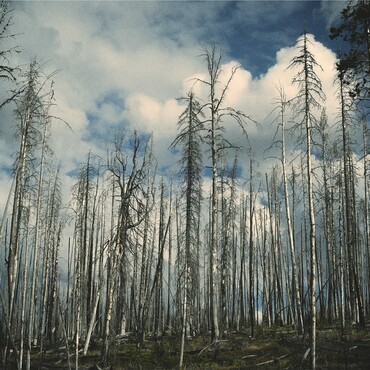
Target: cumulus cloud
point(123, 64)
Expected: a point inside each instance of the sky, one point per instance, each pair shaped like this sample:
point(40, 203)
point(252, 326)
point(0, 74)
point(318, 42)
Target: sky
point(123, 64)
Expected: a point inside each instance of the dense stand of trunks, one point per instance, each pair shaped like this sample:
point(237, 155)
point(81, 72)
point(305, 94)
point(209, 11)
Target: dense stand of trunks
point(181, 255)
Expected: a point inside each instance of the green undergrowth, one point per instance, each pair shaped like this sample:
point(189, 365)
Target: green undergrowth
point(273, 348)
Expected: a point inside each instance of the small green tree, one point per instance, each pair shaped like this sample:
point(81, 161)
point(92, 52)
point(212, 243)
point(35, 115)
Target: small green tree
point(354, 30)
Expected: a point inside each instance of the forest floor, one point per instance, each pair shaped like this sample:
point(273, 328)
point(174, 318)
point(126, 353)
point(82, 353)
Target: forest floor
point(276, 348)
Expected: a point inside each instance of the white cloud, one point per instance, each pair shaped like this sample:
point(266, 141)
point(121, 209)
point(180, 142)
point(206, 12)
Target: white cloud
point(255, 96)
point(123, 64)
point(331, 10)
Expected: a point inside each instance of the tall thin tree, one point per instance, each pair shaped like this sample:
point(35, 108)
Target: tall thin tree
point(309, 97)
point(189, 138)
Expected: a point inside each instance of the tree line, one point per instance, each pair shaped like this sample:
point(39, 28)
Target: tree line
point(154, 255)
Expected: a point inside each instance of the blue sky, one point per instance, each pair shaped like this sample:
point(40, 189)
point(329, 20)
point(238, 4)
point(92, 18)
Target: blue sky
point(271, 25)
point(123, 64)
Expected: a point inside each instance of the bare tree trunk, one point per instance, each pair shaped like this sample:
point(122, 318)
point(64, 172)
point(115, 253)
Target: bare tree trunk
point(111, 280)
point(214, 232)
point(33, 295)
point(366, 202)
point(24, 296)
point(241, 311)
point(92, 323)
point(12, 261)
point(215, 140)
point(355, 295)
point(251, 252)
point(312, 241)
point(309, 95)
point(78, 288)
point(169, 293)
point(295, 282)
point(341, 265)
point(184, 310)
point(45, 277)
